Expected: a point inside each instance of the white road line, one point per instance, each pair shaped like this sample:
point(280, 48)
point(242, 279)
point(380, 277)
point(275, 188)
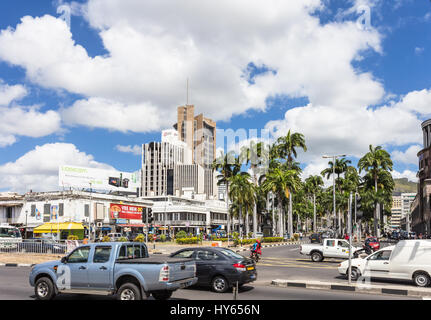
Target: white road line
point(426, 298)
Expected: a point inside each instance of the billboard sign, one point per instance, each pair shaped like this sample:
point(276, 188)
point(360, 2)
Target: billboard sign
point(123, 211)
point(100, 179)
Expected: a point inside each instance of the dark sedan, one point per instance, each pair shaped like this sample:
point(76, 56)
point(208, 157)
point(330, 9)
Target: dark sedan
point(316, 238)
point(219, 268)
point(41, 245)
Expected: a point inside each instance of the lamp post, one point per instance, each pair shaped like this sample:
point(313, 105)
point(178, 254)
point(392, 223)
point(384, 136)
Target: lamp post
point(333, 182)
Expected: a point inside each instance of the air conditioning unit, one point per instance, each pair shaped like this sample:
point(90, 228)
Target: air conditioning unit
point(99, 224)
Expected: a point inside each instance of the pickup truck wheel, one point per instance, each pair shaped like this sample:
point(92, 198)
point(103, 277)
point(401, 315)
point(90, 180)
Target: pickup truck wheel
point(162, 295)
point(421, 279)
point(44, 289)
point(128, 291)
point(219, 284)
point(316, 257)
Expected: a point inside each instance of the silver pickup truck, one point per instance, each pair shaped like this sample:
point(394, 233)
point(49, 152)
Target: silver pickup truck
point(123, 269)
point(331, 248)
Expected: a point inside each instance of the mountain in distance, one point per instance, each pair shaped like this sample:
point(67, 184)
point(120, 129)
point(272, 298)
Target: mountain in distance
point(403, 185)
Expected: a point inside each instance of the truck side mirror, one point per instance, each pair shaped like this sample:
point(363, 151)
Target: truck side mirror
point(63, 260)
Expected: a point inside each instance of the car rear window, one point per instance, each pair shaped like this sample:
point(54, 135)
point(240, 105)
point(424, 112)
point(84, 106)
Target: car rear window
point(231, 254)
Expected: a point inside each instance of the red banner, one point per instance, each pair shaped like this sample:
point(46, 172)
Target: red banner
point(122, 211)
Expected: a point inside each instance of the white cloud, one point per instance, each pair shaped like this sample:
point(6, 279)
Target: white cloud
point(410, 175)
point(136, 149)
point(417, 101)
point(11, 93)
point(155, 45)
point(38, 168)
point(410, 156)
point(112, 115)
point(23, 121)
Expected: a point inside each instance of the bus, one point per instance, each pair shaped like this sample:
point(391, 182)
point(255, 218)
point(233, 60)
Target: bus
point(9, 236)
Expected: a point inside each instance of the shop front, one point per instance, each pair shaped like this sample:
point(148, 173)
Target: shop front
point(60, 231)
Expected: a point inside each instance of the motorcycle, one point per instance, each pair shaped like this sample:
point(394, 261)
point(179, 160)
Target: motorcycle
point(254, 255)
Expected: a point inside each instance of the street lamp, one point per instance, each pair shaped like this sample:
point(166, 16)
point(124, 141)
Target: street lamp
point(333, 182)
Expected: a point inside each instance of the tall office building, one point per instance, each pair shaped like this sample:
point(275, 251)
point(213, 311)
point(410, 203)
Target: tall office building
point(199, 133)
point(396, 211)
point(158, 163)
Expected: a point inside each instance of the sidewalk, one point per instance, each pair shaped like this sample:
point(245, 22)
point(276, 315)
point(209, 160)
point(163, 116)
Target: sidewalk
point(395, 289)
point(28, 259)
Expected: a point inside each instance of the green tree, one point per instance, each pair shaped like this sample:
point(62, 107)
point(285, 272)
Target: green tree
point(375, 163)
point(227, 165)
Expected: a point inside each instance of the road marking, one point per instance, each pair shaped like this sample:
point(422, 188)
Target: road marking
point(426, 298)
point(295, 265)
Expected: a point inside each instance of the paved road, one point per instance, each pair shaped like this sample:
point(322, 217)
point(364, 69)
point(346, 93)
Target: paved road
point(282, 262)
point(14, 286)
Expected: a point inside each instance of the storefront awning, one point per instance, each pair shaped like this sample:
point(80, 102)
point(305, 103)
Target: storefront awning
point(132, 225)
point(17, 204)
point(53, 227)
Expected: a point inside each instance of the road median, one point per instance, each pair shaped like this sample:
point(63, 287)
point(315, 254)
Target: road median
point(403, 290)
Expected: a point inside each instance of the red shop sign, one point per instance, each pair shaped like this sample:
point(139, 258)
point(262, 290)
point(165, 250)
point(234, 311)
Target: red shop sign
point(123, 211)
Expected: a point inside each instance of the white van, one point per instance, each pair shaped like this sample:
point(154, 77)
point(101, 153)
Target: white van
point(408, 260)
point(115, 236)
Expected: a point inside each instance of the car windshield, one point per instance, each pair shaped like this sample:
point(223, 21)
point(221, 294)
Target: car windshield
point(231, 254)
point(9, 233)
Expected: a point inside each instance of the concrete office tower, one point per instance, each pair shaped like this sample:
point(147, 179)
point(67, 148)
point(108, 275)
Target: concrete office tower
point(199, 133)
point(158, 162)
point(396, 211)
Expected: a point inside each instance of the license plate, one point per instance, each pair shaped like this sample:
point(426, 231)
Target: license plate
point(250, 268)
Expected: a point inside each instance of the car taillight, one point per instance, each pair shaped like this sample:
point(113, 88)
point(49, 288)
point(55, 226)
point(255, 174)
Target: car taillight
point(239, 266)
point(164, 274)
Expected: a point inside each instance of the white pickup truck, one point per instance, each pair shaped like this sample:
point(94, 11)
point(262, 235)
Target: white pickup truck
point(331, 248)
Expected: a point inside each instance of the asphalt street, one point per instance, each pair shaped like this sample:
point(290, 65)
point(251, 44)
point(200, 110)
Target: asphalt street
point(282, 262)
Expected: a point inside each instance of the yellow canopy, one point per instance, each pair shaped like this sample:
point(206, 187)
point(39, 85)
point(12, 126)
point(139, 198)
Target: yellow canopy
point(54, 227)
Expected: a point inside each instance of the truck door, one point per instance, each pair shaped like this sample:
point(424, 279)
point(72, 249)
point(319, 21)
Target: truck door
point(101, 269)
point(342, 249)
point(77, 262)
point(330, 248)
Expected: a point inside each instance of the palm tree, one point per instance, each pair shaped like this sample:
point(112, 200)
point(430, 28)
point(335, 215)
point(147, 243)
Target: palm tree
point(228, 165)
point(282, 183)
point(256, 156)
point(242, 193)
point(374, 162)
point(313, 185)
point(285, 148)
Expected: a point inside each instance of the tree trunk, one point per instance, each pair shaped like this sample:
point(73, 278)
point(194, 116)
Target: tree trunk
point(247, 224)
point(228, 213)
point(280, 213)
point(314, 213)
point(290, 216)
point(376, 219)
point(273, 215)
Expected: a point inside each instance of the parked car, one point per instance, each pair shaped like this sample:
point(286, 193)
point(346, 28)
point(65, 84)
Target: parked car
point(219, 268)
point(371, 244)
point(115, 236)
point(331, 248)
point(412, 235)
point(259, 235)
point(407, 260)
point(41, 245)
point(395, 235)
point(120, 268)
point(316, 238)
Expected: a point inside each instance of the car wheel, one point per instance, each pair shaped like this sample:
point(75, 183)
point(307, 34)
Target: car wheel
point(421, 279)
point(128, 291)
point(316, 257)
point(219, 284)
point(165, 295)
point(44, 289)
point(354, 275)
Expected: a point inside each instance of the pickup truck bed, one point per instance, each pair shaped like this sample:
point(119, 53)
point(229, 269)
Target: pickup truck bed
point(152, 260)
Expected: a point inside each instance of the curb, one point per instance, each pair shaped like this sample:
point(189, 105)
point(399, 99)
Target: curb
point(272, 245)
point(16, 265)
point(351, 288)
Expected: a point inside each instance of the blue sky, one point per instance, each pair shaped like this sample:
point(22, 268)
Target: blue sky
point(397, 57)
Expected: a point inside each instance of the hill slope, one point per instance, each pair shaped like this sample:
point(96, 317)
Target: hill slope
point(403, 185)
